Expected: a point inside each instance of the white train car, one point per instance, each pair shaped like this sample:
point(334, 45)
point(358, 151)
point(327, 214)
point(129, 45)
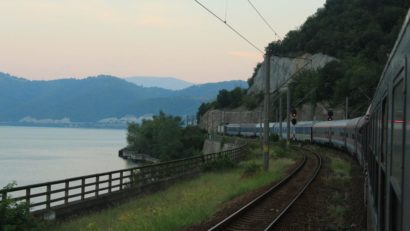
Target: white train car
point(303, 131)
point(338, 133)
point(321, 132)
point(233, 129)
point(248, 130)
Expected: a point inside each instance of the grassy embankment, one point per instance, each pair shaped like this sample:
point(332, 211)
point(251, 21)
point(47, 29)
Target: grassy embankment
point(188, 202)
point(340, 176)
point(338, 180)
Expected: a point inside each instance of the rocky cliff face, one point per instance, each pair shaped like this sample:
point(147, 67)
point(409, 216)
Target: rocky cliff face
point(213, 118)
point(282, 69)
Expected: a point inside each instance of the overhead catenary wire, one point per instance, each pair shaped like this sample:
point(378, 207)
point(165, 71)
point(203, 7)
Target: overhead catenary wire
point(230, 27)
point(264, 19)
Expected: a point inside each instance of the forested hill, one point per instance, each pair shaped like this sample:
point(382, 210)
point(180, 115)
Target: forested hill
point(96, 98)
point(360, 34)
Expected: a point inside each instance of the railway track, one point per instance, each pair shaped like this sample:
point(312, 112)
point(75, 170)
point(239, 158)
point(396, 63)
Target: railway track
point(265, 211)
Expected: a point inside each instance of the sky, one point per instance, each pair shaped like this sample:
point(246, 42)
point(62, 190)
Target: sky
point(54, 39)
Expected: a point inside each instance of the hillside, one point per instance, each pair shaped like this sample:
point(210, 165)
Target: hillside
point(360, 34)
point(354, 36)
point(169, 83)
point(96, 98)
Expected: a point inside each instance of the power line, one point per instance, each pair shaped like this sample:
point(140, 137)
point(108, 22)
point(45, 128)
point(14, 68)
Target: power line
point(230, 27)
point(263, 18)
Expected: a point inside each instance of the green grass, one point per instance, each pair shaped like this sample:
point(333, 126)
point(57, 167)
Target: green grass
point(183, 204)
point(341, 169)
point(339, 177)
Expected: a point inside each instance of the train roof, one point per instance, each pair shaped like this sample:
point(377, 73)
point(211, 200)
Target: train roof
point(333, 123)
point(304, 124)
point(233, 125)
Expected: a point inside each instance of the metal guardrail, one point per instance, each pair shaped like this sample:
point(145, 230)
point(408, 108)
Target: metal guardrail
point(46, 196)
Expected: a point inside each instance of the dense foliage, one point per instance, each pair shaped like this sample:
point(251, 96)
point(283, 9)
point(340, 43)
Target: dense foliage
point(16, 216)
point(165, 138)
point(360, 33)
point(231, 99)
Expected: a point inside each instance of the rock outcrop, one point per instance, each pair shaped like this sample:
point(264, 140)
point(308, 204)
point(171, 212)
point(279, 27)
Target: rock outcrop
point(282, 69)
point(213, 118)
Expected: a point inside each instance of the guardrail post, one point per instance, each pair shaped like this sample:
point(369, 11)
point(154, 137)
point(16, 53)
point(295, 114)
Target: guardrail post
point(97, 185)
point(82, 188)
point(4, 195)
point(109, 182)
point(48, 196)
point(28, 198)
point(67, 185)
point(121, 176)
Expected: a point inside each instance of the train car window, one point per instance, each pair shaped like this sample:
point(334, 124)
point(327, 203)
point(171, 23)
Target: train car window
point(383, 199)
point(397, 132)
point(376, 185)
point(375, 133)
point(379, 132)
point(395, 212)
point(371, 133)
point(384, 131)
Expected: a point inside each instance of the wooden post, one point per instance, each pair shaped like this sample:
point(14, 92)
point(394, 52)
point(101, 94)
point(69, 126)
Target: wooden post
point(67, 185)
point(28, 197)
point(48, 196)
point(4, 195)
point(121, 176)
point(97, 185)
point(109, 182)
point(82, 188)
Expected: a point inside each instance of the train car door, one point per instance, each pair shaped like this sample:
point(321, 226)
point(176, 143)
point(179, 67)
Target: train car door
point(397, 149)
point(406, 175)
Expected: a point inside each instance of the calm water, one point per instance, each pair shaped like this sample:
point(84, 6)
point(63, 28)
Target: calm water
point(31, 155)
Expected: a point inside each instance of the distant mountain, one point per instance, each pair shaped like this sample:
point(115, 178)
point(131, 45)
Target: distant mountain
point(208, 91)
point(169, 83)
point(96, 98)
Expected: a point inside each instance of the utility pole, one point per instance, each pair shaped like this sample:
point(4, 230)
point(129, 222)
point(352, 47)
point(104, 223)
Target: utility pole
point(266, 119)
point(287, 115)
point(347, 107)
point(280, 116)
point(260, 129)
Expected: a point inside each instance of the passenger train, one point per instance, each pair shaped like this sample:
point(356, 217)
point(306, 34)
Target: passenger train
point(379, 140)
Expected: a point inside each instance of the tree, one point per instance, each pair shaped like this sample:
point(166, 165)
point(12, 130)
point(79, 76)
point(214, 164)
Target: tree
point(15, 216)
point(223, 99)
point(164, 138)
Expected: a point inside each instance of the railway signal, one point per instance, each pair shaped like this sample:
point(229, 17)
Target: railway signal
point(329, 115)
point(293, 114)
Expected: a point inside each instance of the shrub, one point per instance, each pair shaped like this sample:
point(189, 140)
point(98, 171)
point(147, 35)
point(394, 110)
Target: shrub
point(251, 169)
point(274, 137)
point(222, 163)
point(15, 216)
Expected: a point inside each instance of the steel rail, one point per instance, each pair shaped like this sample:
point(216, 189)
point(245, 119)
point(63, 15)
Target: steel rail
point(254, 203)
point(276, 221)
point(230, 219)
